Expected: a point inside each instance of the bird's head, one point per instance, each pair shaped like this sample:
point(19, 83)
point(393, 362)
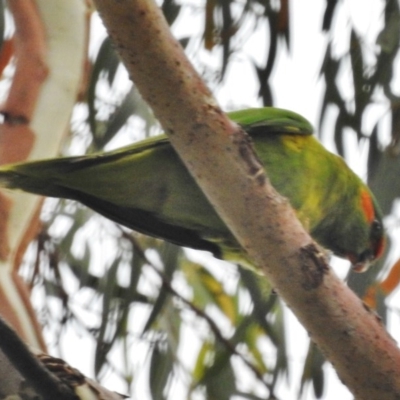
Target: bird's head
point(375, 240)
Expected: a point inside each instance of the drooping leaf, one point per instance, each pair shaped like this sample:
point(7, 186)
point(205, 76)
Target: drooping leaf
point(362, 88)
point(107, 328)
point(219, 377)
point(209, 28)
point(170, 255)
point(227, 32)
point(328, 14)
point(263, 301)
point(313, 371)
point(279, 328)
point(160, 368)
point(106, 62)
point(374, 154)
point(283, 22)
point(253, 335)
point(204, 360)
point(389, 37)
point(117, 120)
point(170, 9)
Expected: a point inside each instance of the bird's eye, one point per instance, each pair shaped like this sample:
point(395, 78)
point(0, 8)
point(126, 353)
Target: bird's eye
point(376, 229)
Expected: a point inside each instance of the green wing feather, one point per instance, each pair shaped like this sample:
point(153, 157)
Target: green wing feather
point(273, 120)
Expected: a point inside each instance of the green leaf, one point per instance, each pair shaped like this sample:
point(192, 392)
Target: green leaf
point(253, 334)
point(162, 298)
point(313, 371)
point(169, 255)
point(108, 318)
point(264, 302)
point(389, 38)
point(219, 379)
point(106, 61)
point(117, 120)
point(170, 10)
point(209, 291)
point(204, 360)
point(281, 366)
point(161, 364)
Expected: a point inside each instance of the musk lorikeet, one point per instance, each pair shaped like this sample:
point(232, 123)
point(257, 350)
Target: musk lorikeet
point(146, 187)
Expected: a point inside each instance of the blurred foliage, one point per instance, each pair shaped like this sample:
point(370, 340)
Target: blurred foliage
point(173, 322)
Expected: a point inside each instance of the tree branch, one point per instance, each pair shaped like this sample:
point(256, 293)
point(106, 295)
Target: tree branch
point(217, 153)
point(37, 376)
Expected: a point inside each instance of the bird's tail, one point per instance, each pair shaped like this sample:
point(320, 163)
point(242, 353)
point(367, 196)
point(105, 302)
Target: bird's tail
point(29, 177)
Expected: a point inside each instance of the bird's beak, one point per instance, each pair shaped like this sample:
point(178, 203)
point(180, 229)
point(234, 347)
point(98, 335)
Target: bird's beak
point(361, 262)
point(360, 266)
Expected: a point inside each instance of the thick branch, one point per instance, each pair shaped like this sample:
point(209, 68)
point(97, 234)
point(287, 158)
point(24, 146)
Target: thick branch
point(218, 156)
point(51, 378)
point(30, 368)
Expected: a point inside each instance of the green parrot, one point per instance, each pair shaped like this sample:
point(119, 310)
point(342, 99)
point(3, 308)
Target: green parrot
point(146, 187)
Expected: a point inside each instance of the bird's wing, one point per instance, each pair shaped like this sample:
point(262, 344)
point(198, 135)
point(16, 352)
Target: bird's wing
point(269, 120)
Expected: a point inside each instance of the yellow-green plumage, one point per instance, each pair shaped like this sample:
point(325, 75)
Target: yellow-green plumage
point(146, 187)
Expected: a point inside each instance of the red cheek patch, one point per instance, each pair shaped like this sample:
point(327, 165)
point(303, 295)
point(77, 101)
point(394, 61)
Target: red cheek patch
point(367, 206)
point(380, 248)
